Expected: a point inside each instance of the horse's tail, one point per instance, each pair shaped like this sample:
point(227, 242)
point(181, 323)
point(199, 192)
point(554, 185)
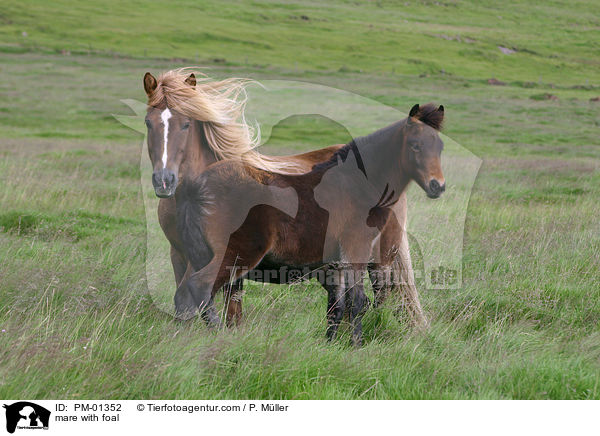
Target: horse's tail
point(192, 208)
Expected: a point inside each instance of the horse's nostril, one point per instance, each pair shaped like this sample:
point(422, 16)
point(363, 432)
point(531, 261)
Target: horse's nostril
point(434, 185)
point(164, 179)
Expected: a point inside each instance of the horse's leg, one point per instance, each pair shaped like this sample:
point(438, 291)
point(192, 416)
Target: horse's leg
point(358, 300)
point(179, 263)
point(381, 277)
point(168, 224)
point(333, 283)
point(202, 285)
point(385, 250)
point(393, 273)
point(185, 305)
point(195, 292)
point(408, 290)
point(233, 293)
point(183, 297)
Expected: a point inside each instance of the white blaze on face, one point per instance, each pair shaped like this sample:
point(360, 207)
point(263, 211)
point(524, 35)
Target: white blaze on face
point(164, 116)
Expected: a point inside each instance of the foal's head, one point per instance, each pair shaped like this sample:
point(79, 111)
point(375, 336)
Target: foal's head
point(169, 134)
point(422, 148)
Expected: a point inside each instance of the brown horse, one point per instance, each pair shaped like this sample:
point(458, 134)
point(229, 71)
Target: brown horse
point(193, 123)
point(328, 220)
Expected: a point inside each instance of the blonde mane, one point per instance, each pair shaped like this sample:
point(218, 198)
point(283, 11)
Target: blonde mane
point(220, 105)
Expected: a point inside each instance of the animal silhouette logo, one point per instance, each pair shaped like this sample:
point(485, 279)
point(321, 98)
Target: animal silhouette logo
point(26, 415)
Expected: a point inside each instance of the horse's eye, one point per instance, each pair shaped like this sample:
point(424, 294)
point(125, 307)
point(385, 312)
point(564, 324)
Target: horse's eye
point(415, 146)
point(185, 126)
point(148, 123)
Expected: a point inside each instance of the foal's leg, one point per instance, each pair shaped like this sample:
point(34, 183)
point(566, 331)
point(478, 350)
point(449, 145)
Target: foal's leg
point(336, 297)
point(381, 279)
point(393, 273)
point(408, 290)
point(381, 271)
point(358, 300)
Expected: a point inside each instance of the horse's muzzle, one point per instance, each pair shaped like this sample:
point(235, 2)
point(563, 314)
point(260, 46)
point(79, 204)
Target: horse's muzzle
point(435, 189)
point(164, 182)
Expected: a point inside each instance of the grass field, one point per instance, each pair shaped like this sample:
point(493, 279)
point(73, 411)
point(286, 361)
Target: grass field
point(76, 318)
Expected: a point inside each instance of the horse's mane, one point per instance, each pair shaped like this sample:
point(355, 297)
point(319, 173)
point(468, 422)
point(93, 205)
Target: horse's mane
point(220, 105)
point(342, 154)
point(430, 115)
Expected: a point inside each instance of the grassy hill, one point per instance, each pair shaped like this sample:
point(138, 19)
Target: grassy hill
point(76, 320)
point(553, 42)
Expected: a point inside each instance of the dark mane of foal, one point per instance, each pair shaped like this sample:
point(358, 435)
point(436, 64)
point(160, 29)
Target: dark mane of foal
point(430, 115)
point(342, 154)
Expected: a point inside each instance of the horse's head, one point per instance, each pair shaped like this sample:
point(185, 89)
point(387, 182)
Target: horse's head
point(170, 138)
point(195, 122)
point(422, 148)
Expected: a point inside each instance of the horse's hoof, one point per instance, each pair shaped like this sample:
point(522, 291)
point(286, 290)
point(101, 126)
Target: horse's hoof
point(185, 315)
point(213, 326)
point(357, 341)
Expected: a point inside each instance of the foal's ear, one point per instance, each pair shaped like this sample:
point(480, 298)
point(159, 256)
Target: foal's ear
point(149, 84)
point(191, 80)
point(414, 111)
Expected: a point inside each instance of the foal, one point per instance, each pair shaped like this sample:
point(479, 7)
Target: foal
point(235, 214)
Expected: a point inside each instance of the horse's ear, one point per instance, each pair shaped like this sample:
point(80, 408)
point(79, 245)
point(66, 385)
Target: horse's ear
point(191, 80)
point(414, 111)
point(149, 83)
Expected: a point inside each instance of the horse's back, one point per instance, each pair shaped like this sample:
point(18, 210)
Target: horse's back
point(305, 161)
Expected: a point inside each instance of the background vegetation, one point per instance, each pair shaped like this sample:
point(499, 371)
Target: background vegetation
point(76, 320)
